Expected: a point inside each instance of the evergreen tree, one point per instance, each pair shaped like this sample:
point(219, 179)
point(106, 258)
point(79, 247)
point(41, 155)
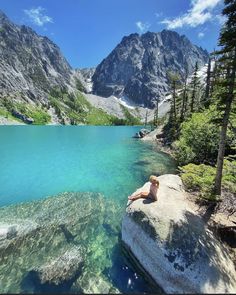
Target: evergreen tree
point(206, 100)
point(184, 96)
point(172, 126)
point(195, 83)
point(213, 73)
point(156, 113)
point(227, 62)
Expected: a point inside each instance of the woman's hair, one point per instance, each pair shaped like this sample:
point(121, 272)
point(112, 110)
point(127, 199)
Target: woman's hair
point(154, 178)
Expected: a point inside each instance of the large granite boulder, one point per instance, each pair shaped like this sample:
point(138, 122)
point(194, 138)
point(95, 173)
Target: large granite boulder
point(174, 245)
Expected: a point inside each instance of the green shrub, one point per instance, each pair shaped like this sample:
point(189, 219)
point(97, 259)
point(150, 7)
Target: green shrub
point(40, 116)
point(198, 141)
point(201, 177)
point(129, 118)
point(229, 173)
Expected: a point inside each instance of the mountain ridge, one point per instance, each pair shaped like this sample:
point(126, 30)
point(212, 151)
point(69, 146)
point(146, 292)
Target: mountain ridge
point(138, 66)
point(34, 72)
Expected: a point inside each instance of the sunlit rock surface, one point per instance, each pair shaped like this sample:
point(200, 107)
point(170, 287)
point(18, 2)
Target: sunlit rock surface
point(174, 245)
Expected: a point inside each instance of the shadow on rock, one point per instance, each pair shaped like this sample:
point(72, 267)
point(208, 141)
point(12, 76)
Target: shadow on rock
point(194, 247)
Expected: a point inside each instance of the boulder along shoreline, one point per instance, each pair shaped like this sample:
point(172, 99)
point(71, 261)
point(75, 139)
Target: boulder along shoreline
point(175, 245)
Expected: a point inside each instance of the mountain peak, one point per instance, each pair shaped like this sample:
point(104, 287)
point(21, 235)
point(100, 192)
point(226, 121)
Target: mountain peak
point(138, 67)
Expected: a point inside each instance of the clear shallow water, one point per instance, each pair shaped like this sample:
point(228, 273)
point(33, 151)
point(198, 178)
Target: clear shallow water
point(40, 161)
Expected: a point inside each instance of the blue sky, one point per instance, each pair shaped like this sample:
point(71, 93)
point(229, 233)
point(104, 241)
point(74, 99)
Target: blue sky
point(87, 30)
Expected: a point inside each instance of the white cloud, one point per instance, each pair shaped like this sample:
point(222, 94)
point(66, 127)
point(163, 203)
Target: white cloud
point(142, 27)
point(201, 35)
point(37, 16)
point(199, 13)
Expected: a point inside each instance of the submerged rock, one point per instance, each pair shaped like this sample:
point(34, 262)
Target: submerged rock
point(61, 269)
point(92, 283)
point(173, 244)
point(43, 243)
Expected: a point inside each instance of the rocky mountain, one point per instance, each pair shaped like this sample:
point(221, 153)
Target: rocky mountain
point(85, 76)
point(30, 65)
point(37, 82)
point(138, 67)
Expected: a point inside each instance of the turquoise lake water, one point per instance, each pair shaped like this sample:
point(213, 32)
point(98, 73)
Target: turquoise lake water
point(38, 161)
point(41, 161)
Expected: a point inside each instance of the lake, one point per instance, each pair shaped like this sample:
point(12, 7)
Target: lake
point(41, 161)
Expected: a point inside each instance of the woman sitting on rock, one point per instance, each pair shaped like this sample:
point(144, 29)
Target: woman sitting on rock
point(152, 194)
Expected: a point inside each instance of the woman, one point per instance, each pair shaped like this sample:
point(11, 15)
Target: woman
point(151, 194)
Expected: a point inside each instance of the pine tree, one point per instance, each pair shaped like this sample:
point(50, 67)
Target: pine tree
point(213, 73)
point(227, 61)
point(172, 124)
point(155, 121)
point(206, 100)
point(184, 96)
point(195, 83)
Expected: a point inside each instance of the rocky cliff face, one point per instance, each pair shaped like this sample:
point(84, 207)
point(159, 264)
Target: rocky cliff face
point(30, 65)
point(138, 67)
point(85, 76)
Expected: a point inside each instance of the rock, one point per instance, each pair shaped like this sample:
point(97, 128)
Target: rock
point(137, 135)
point(8, 121)
point(3, 232)
point(37, 235)
point(92, 283)
point(153, 135)
point(60, 270)
point(22, 117)
point(85, 76)
point(13, 232)
point(174, 245)
point(138, 67)
point(142, 133)
point(31, 65)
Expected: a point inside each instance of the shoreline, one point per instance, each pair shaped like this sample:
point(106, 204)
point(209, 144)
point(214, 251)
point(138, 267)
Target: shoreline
point(156, 137)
